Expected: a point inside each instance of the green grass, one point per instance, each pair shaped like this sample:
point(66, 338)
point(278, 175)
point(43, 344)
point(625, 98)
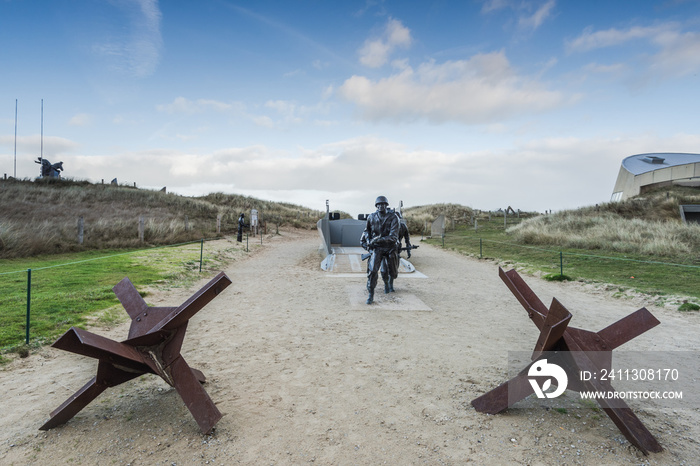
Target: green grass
point(637, 272)
point(557, 277)
point(76, 289)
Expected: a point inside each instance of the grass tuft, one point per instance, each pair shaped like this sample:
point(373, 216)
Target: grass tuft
point(685, 307)
point(557, 277)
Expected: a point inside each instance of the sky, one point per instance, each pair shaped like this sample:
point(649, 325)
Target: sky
point(531, 104)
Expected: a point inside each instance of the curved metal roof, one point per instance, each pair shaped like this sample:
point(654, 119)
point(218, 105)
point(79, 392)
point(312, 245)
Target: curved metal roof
point(643, 163)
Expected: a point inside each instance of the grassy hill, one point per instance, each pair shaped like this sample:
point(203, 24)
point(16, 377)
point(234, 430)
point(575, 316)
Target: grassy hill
point(41, 217)
point(638, 245)
point(648, 225)
point(419, 218)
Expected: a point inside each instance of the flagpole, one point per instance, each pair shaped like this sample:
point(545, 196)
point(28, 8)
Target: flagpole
point(41, 156)
point(15, 175)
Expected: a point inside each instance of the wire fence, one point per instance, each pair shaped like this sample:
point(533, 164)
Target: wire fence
point(560, 253)
point(656, 276)
point(56, 294)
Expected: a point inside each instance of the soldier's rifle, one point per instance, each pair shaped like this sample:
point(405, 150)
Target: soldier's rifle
point(366, 256)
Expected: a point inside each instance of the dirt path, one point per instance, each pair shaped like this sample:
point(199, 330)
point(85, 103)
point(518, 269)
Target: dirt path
point(305, 373)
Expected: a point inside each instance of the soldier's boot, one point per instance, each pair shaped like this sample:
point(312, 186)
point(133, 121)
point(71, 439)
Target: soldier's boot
point(370, 298)
point(391, 285)
point(387, 287)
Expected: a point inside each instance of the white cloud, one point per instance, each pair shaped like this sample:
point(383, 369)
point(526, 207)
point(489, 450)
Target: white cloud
point(494, 5)
point(137, 51)
point(122, 120)
point(375, 53)
point(53, 145)
point(284, 113)
point(56, 149)
point(183, 105)
point(264, 121)
point(283, 107)
point(530, 14)
point(482, 89)
point(540, 15)
point(81, 119)
point(614, 69)
point(548, 173)
point(591, 40)
point(678, 52)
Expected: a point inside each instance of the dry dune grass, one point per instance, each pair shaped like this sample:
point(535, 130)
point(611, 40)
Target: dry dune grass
point(419, 216)
point(648, 225)
point(42, 217)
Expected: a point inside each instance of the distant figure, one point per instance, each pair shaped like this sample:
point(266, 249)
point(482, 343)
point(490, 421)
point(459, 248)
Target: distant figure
point(241, 224)
point(379, 238)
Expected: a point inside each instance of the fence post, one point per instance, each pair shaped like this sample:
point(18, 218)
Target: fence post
point(481, 250)
point(81, 229)
point(201, 254)
point(29, 300)
point(218, 224)
point(561, 264)
point(246, 242)
point(443, 241)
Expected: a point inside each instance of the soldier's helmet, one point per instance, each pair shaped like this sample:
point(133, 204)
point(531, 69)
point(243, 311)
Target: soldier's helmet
point(381, 200)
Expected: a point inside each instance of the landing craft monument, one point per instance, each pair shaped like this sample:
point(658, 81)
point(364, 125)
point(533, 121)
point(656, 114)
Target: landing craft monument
point(340, 244)
point(343, 255)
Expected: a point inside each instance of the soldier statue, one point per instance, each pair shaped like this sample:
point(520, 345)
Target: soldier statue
point(403, 235)
point(379, 238)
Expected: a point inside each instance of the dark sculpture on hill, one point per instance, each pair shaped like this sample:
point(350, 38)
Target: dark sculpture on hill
point(49, 170)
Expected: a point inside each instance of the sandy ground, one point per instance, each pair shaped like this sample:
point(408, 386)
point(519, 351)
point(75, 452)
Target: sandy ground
point(305, 372)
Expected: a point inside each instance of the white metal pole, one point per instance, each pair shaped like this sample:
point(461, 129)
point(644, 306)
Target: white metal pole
point(41, 155)
point(15, 172)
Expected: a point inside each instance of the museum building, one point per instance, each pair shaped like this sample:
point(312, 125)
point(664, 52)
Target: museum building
point(642, 172)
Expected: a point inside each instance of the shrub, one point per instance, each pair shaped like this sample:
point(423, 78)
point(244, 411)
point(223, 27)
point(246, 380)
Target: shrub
point(557, 277)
